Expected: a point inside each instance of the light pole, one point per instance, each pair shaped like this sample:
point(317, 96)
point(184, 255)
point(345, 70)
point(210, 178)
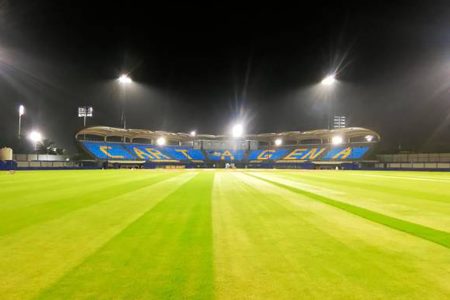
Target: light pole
point(21, 113)
point(85, 112)
point(328, 82)
point(124, 80)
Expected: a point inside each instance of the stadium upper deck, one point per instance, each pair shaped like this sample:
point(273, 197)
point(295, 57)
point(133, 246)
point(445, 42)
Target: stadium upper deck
point(321, 136)
point(118, 145)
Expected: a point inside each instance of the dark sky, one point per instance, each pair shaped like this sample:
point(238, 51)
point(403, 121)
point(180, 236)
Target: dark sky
point(200, 67)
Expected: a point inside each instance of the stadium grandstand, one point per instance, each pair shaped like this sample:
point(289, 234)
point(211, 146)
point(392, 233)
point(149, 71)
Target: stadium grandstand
point(346, 148)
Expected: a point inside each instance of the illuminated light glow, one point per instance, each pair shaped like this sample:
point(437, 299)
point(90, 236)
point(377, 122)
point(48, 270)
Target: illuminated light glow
point(21, 110)
point(329, 79)
point(278, 142)
point(125, 79)
point(237, 130)
point(35, 136)
point(161, 141)
point(337, 140)
point(369, 138)
point(193, 133)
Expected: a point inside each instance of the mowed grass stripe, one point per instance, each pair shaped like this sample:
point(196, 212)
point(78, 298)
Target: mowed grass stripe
point(16, 180)
point(58, 202)
point(423, 192)
point(271, 243)
point(37, 256)
point(427, 233)
point(429, 207)
point(27, 187)
point(165, 254)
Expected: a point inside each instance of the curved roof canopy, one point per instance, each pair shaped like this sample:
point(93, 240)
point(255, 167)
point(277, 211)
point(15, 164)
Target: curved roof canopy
point(105, 132)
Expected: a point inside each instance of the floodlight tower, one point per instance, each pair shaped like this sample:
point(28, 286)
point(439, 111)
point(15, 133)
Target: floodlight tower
point(85, 112)
point(329, 82)
point(21, 113)
point(124, 81)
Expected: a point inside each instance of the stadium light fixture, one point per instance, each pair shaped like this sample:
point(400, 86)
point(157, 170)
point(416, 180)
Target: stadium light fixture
point(337, 140)
point(237, 131)
point(369, 138)
point(193, 133)
point(125, 79)
point(329, 80)
point(21, 113)
point(161, 141)
point(35, 137)
point(278, 142)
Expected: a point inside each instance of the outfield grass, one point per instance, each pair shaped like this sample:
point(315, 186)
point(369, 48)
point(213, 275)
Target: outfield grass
point(202, 234)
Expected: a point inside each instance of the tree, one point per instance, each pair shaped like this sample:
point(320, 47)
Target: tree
point(47, 146)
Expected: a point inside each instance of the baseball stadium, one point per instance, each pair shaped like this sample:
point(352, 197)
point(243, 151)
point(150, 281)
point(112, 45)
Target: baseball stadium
point(224, 153)
point(341, 148)
point(163, 215)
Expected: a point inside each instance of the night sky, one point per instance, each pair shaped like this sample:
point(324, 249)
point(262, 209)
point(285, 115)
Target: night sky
point(205, 67)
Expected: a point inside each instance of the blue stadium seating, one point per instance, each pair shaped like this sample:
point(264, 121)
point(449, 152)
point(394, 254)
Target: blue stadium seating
point(185, 153)
point(151, 153)
point(225, 155)
point(267, 154)
point(304, 154)
point(110, 151)
point(118, 151)
point(345, 153)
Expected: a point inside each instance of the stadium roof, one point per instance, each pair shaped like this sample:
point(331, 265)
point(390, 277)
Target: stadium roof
point(105, 132)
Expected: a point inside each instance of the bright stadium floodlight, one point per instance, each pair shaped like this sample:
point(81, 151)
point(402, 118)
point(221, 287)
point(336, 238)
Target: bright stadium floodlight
point(337, 140)
point(125, 79)
point(21, 110)
point(329, 80)
point(278, 142)
point(193, 133)
point(161, 141)
point(21, 113)
point(237, 130)
point(369, 138)
point(35, 137)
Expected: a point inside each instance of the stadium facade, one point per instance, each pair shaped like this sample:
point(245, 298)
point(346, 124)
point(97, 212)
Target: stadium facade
point(347, 148)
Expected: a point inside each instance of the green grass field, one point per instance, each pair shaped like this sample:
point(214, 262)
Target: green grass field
point(202, 234)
